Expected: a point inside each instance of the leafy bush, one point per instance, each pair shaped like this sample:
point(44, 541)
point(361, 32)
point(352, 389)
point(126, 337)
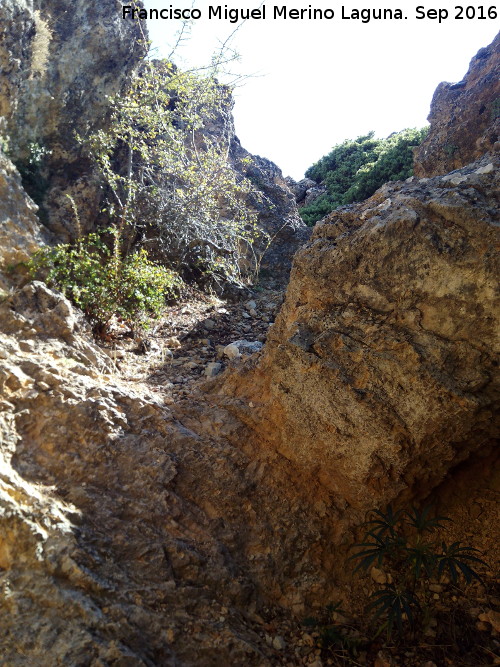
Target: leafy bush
point(102, 283)
point(355, 169)
point(170, 185)
point(401, 542)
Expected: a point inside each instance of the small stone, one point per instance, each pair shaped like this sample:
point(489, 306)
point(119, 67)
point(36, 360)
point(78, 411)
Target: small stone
point(213, 369)
point(279, 643)
point(43, 386)
point(209, 324)
point(114, 354)
point(253, 312)
point(378, 576)
point(485, 170)
point(492, 617)
point(435, 588)
point(172, 342)
point(382, 660)
point(251, 305)
point(231, 351)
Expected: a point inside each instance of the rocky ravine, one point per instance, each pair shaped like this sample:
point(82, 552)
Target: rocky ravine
point(133, 532)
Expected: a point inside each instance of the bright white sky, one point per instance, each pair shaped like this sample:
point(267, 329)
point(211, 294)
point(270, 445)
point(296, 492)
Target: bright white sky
point(318, 82)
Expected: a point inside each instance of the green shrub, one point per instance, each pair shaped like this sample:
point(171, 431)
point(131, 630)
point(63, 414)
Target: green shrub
point(168, 177)
point(355, 169)
point(102, 283)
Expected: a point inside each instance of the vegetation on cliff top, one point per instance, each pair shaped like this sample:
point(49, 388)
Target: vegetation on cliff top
point(356, 168)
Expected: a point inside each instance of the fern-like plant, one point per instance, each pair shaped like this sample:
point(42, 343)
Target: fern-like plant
point(402, 542)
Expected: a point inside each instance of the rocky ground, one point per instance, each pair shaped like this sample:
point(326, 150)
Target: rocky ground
point(191, 342)
point(198, 338)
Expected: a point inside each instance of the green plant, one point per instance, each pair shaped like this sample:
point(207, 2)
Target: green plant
point(335, 637)
point(355, 169)
point(170, 184)
point(103, 283)
point(402, 543)
point(450, 149)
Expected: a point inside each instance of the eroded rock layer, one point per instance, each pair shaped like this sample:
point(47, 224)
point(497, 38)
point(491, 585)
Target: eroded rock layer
point(126, 535)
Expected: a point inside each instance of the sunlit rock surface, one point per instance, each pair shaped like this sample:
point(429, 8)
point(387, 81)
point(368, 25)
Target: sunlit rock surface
point(464, 117)
point(381, 370)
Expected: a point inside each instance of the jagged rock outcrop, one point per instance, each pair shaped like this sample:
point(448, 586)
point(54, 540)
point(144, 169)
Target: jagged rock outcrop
point(276, 207)
point(121, 528)
point(59, 63)
point(20, 231)
point(464, 117)
point(305, 191)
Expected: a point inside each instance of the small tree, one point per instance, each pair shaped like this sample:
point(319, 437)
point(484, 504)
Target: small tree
point(164, 160)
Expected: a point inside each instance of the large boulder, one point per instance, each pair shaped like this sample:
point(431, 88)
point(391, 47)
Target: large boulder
point(381, 371)
point(464, 117)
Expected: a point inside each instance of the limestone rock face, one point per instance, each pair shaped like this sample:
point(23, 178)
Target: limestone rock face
point(59, 63)
point(464, 117)
point(129, 534)
point(381, 370)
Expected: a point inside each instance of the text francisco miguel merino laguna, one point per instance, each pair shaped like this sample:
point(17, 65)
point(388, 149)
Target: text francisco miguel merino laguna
point(234, 15)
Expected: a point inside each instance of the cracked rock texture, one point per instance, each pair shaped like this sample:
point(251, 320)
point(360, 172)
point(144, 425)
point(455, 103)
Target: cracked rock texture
point(20, 231)
point(132, 533)
point(121, 536)
point(381, 372)
point(276, 207)
point(59, 62)
point(464, 117)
